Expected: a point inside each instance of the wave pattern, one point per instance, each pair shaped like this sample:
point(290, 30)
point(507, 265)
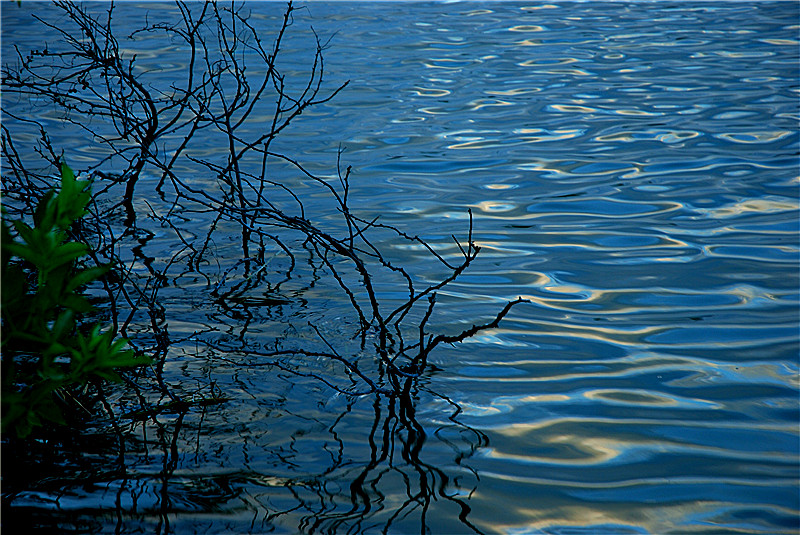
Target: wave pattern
point(633, 168)
point(633, 171)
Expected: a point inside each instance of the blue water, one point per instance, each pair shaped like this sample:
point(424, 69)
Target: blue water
point(633, 173)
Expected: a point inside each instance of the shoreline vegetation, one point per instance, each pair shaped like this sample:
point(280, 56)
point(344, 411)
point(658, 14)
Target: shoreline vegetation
point(58, 356)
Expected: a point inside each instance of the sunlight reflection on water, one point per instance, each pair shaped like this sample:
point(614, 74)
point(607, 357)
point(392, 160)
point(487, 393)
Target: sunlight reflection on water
point(632, 169)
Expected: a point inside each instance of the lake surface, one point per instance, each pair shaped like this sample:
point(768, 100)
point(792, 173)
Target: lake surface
point(633, 172)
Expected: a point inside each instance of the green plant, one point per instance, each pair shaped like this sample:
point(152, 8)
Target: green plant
point(48, 351)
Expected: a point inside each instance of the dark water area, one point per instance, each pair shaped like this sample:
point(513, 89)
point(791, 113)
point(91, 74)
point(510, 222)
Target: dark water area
point(632, 169)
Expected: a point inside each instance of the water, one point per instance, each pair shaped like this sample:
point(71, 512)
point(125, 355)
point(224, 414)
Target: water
point(632, 169)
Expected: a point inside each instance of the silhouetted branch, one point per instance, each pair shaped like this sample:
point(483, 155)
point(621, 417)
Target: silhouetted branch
point(231, 78)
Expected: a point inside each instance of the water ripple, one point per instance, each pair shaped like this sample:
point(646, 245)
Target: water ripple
point(632, 172)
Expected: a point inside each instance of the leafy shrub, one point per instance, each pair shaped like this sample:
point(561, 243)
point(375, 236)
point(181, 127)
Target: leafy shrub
point(48, 353)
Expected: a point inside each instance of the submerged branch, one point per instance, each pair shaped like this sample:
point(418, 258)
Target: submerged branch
point(232, 78)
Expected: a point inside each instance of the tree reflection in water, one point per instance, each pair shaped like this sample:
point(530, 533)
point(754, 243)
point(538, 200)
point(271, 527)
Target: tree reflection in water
point(391, 488)
point(212, 280)
point(396, 444)
point(255, 454)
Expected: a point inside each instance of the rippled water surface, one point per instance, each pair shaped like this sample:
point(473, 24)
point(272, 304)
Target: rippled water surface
point(633, 172)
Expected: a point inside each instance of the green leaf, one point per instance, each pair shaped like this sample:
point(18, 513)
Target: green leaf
point(67, 175)
point(76, 302)
point(39, 246)
point(98, 355)
point(26, 253)
point(64, 325)
point(73, 198)
point(43, 215)
point(25, 232)
point(41, 320)
point(86, 276)
point(67, 252)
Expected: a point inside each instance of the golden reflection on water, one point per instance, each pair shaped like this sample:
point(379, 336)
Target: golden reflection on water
point(573, 450)
point(513, 92)
point(616, 518)
point(610, 185)
point(430, 92)
point(494, 206)
point(477, 12)
point(572, 108)
point(499, 186)
point(529, 42)
point(633, 397)
point(650, 224)
point(754, 137)
point(543, 6)
point(641, 113)
point(546, 371)
point(486, 103)
point(477, 139)
point(612, 519)
point(526, 28)
point(634, 136)
point(787, 42)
